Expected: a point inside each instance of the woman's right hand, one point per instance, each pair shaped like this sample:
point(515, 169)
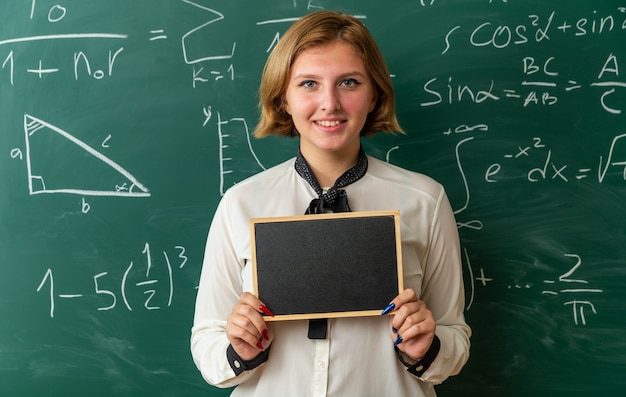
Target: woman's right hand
point(246, 329)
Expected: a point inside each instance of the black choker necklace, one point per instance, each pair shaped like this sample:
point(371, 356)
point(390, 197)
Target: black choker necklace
point(335, 199)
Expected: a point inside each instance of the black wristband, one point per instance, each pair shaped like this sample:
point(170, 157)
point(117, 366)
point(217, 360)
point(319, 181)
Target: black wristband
point(422, 365)
point(239, 365)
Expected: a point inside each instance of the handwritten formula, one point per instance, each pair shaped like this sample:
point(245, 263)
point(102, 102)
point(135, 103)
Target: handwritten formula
point(134, 278)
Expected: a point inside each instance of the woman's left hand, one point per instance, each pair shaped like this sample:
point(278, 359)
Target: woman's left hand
point(412, 327)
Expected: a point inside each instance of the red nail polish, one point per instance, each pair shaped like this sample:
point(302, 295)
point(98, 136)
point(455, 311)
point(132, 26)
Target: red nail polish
point(265, 334)
point(259, 344)
point(265, 310)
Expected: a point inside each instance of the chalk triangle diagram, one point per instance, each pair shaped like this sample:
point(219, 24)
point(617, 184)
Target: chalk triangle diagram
point(58, 162)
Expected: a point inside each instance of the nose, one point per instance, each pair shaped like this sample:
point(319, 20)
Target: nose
point(330, 100)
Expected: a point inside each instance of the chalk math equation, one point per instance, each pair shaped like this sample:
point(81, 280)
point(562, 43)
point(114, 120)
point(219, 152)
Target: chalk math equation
point(541, 86)
point(543, 83)
point(81, 65)
point(613, 161)
point(537, 29)
point(212, 60)
point(569, 285)
point(116, 290)
point(576, 292)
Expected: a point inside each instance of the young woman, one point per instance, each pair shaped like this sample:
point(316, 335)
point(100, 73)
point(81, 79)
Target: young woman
point(326, 84)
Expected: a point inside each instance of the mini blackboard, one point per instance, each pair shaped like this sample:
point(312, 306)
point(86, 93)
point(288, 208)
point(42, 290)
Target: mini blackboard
point(328, 265)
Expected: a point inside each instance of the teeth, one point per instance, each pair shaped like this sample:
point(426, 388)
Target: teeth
point(325, 123)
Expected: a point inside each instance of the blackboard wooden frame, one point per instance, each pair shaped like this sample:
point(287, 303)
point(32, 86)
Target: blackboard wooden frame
point(348, 264)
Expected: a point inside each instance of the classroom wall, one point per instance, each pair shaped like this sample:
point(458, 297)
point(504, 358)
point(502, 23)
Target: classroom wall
point(123, 122)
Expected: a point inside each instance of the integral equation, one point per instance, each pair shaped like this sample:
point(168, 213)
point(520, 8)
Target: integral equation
point(545, 166)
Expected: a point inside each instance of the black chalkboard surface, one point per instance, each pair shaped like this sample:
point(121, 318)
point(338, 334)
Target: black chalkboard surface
point(123, 122)
point(329, 265)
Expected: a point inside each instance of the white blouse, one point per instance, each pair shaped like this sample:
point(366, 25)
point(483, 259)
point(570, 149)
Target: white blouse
point(357, 358)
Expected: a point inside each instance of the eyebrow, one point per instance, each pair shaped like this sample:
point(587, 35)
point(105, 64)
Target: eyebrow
point(341, 76)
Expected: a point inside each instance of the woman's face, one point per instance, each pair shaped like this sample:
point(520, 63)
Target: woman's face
point(329, 95)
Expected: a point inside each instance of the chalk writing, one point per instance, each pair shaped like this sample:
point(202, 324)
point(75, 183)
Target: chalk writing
point(55, 13)
point(578, 306)
point(200, 75)
point(197, 31)
point(68, 36)
point(546, 90)
point(465, 129)
point(80, 61)
point(542, 89)
point(159, 34)
point(472, 279)
point(210, 57)
point(146, 284)
point(80, 65)
point(227, 166)
point(550, 169)
point(537, 29)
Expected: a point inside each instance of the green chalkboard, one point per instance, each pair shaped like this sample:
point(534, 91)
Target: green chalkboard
point(123, 122)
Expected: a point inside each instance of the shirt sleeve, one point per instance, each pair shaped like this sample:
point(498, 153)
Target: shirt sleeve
point(444, 294)
point(219, 290)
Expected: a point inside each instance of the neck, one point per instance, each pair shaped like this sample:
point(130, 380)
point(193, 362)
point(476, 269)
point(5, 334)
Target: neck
point(330, 166)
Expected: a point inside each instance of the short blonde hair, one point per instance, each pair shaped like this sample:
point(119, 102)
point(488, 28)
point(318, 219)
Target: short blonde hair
point(314, 30)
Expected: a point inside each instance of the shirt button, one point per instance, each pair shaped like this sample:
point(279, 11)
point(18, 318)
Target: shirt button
point(237, 364)
point(321, 364)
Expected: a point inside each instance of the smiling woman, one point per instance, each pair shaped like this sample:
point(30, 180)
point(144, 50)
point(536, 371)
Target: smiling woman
point(329, 96)
point(310, 33)
point(327, 84)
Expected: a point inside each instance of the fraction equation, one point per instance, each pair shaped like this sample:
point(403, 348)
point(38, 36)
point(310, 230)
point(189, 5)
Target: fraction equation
point(575, 289)
point(150, 279)
point(541, 85)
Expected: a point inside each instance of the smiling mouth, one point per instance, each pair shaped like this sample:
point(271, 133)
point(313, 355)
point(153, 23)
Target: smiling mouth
point(326, 123)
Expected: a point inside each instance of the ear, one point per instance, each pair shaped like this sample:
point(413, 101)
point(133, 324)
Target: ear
point(285, 105)
point(373, 104)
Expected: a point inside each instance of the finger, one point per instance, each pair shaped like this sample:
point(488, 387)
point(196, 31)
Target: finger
point(406, 296)
point(416, 325)
point(416, 347)
point(416, 340)
point(253, 301)
point(416, 330)
point(247, 317)
point(409, 314)
point(242, 336)
point(240, 324)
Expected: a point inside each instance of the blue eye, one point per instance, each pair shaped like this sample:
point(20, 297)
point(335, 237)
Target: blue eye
point(350, 83)
point(307, 84)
